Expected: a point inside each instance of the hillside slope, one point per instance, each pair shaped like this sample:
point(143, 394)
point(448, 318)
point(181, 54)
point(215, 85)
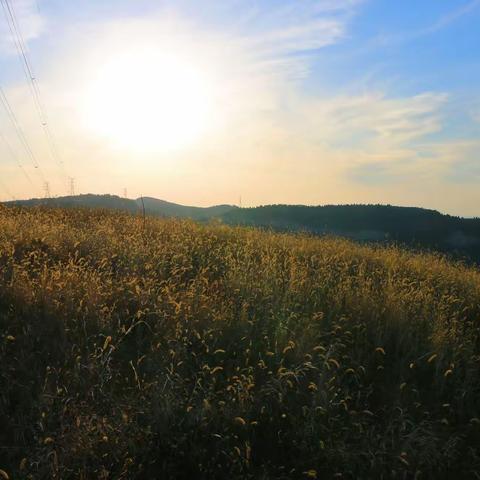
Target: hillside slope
point(153, 206)
point(183, 350)
point(415, 227)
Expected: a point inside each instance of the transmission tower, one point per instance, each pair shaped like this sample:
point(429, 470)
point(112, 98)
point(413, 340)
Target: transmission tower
point(46, 189)
point(125, 193)
point(72, 186)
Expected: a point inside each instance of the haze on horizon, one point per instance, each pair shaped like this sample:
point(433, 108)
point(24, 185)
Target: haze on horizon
point(302, 102)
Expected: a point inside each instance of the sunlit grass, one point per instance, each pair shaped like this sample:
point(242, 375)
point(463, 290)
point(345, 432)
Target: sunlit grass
point(190, 351)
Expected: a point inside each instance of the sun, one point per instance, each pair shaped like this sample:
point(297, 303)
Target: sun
point(149, 101)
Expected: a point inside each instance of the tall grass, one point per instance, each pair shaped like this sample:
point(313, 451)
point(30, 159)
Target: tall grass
point(179, 350)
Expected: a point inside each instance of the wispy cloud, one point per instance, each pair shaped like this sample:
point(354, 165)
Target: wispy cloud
point(289, 34)
point(31, 22)
point(475, 111)
point(372, 121)
point(450, 18)
point(390, 39)
point(458, 160)
point(298, 38)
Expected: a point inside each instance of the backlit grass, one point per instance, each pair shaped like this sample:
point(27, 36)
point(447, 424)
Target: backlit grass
point(179, 350)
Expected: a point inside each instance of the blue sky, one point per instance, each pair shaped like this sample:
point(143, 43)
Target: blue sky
point(315, 101)
point(410, 45)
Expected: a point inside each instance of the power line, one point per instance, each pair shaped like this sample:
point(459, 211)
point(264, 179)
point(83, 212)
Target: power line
point(7, 191)
point(17, 39)
point(20, 45)
point(22, 51)
point(21, 135)
point(15, 158)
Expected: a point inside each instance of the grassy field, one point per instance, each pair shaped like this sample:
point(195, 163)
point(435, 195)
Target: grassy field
point(185, 351)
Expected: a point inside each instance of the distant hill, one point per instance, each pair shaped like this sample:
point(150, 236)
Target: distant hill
point(153, 206)
point(168, 209)
point(89, 200)
point(414, 227)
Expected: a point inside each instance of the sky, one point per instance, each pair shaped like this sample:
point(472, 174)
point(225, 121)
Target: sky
point(205, 102)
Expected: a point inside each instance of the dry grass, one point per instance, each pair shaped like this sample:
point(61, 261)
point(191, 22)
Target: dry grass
point(208, 352)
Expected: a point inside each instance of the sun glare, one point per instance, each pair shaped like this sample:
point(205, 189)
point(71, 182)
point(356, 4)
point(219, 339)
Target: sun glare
point(149, 101)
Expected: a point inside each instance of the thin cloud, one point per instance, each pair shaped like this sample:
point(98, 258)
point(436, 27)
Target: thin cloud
point(458, 160)
point(451, 17)
point(371, 121)
point(443, 22)
point(295, 29)
point(298, 38)
point(475, 112)
point(32, 24)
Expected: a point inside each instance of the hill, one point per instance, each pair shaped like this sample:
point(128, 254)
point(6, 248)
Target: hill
point(153, 206)
point(414, 227)
point(176, 349)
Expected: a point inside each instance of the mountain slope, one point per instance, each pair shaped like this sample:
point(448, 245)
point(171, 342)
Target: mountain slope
point(415, 227)
point(153, 206)
point(88, 200)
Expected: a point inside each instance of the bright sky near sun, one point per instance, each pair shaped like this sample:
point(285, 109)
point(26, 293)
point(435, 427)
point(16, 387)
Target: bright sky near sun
point(277, 101)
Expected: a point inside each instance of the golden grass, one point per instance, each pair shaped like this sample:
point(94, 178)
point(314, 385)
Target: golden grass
point(182, 350)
